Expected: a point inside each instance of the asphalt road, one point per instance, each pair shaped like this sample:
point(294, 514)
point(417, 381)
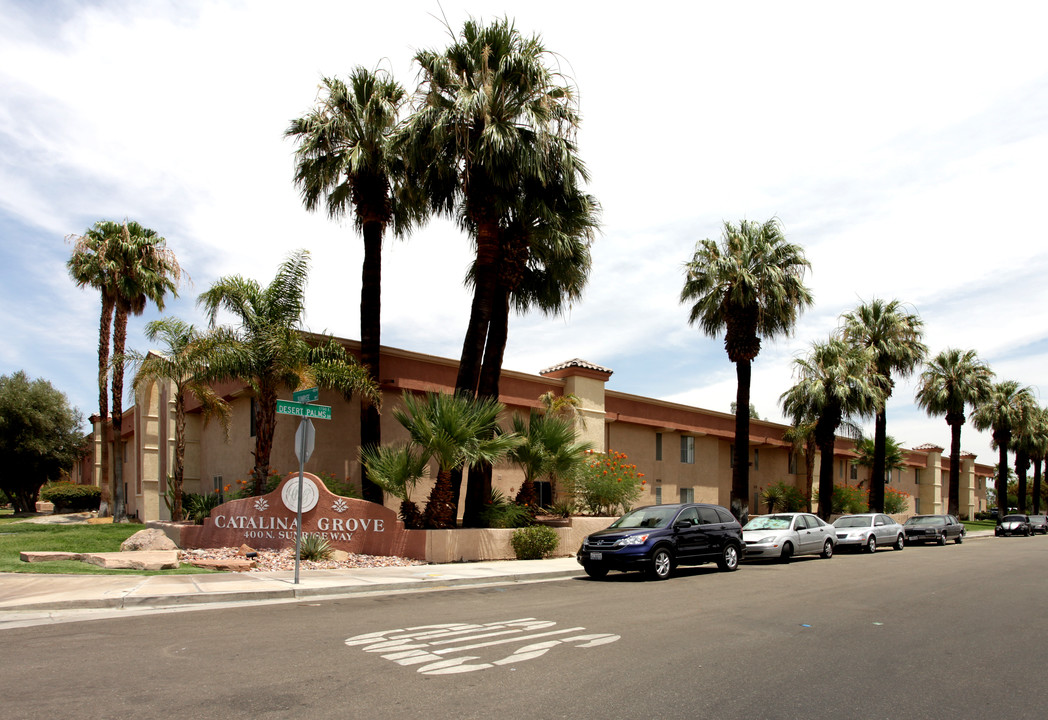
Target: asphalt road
point(930, 632)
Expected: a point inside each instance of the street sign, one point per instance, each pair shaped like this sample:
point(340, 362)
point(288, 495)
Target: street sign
point(305, 437)
point(320, 412)
point(286, 407)
point(308, 395)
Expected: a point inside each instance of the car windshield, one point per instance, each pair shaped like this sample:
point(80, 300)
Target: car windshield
point(1015, 518)
point(853, 521)
point(769, 522)
point(926, 520)
point(649, 517)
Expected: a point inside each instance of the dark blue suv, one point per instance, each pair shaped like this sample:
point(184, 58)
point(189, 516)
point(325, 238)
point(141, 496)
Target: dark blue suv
point(657, 538)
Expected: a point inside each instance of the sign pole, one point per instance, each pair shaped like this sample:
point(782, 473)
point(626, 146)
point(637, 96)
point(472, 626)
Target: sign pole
point(298, 525)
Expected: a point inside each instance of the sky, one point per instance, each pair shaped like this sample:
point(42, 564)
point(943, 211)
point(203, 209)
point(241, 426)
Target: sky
point(903, 145)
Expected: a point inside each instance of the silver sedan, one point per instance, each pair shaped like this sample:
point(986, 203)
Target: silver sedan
point(784, 535)
point(868, 531)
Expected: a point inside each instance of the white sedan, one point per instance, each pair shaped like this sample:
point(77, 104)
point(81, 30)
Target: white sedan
point(784, 535)
point(869, 530)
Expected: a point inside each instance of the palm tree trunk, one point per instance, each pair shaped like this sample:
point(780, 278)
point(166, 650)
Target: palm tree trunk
point(370, 347)
point(265, 427)
point(119, 340)
point(953, 504)
point(740, 473)
point(1037, 486)
point(481, 309)
point(1022, 462)
point(1003, 440)
point(104, 332)
point(880, 436)
point(440, 509)
point(826, 478)
point(809, 467)
point(180, 453)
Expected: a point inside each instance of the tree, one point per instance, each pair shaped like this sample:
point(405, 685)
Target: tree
point(953, 380)
point(801, 435)
point(269, 351)
point(40, 437)
point(894, 336)
point(753, 410)
point(751, 286)
point(454, 430)
point(893, 457)
point(1000, 412)
point(548, 448)
point(182, 363)
point(396, 469)
point(834, 383)
point(347, 155)
point(1027, 440)
point(1038, 449)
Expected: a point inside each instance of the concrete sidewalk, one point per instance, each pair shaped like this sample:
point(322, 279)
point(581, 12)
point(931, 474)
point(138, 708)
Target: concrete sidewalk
point(32, 593)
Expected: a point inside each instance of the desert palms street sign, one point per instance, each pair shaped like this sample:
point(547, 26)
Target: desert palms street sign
point(319, 412)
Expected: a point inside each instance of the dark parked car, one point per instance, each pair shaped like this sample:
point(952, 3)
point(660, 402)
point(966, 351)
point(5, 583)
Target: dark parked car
point(657, 538)
point(1039, 524)
point(934, 528)
point(1013, 525)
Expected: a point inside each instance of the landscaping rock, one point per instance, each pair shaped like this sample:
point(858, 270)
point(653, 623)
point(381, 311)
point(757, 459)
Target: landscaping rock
point(147, 540)
point(339, 556)
point(230, 565)
point(31, 557)
point(136, 560)
point(244, 550)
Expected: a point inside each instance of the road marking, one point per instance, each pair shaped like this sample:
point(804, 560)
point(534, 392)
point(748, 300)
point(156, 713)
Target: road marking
point(429, 645)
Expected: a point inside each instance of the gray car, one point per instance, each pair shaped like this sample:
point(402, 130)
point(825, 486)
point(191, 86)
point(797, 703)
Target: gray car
point(783, 535)
point(868, 531)
point(934, 528)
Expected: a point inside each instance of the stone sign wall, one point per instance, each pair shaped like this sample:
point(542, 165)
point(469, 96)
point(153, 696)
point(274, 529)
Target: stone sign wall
point(269, 521)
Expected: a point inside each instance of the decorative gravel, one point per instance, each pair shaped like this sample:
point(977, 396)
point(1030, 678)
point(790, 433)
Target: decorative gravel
point(270, 560)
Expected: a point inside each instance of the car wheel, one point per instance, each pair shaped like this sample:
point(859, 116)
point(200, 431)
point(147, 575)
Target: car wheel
point(787, 553)
point(942, 539)
point(595, 571)
point(827, 549)
point(661, 564)
point(959, 539)
point(900, 542)
point(871, 545)
point(729, 558)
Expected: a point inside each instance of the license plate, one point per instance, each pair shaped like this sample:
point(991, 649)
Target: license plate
point(596, 556)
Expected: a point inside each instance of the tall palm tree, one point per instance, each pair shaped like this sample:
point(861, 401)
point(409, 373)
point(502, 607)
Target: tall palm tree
point(894, 336)
point(269, 351)
point(454, 430)
point(952, 380)
point(834, 383)
point(347, 155)
point(1000, 412)
point(91, 266)
point(181, 363)
point(1026, 439)
point(750, 286)
point(1038, 449)
point(147, 271)
point(492, 117)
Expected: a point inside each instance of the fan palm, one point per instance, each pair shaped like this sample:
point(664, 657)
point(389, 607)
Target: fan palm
point(1027, 438)
point(952, 380)
point(1038, 449)
point(1000, 412)
point(750, 286)
point(548, 448)
point(893, 456)
point(269, 351)
point(396, 470)
point(834, 383)
point(183, 365)
point(454, 430)
point(894, 336)
point(347, 156)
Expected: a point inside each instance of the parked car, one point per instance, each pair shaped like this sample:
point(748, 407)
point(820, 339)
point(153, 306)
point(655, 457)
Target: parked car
point(934, 528)
point(784, 535)
point(1039, 524)
point(1013, 525)
point(868, 530)
point(657, 538)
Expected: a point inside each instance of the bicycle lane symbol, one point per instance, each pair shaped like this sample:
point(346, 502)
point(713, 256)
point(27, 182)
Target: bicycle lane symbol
point(437, 647)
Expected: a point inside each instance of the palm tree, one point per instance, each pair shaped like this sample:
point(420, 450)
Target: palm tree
point(184, 366)
point(454, 430)
point(802, 437)
point(867, 452)
point(1000, 412)
point(750, 286)
point(396, 470)
point(548, 448)
point(834, 382)
point(347, 155)
point(952, 380)
point(1026, 440)
point(1038, 449)
point(269, 351)
point(894, 336)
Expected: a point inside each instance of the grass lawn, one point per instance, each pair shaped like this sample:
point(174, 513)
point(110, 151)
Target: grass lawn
point(979, 524)
point(16, 537)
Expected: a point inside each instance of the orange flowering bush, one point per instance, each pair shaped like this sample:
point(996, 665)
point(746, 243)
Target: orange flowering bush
point(608, 484)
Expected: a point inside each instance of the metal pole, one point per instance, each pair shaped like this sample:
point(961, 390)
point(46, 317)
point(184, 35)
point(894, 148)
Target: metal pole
point(301, 469)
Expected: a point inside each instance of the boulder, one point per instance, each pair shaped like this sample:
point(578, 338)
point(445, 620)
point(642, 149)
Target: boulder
point(139, 560)
point(244, 550)
point(339, 555)
point(230, 565)
point(48, 556)
point(148, 540)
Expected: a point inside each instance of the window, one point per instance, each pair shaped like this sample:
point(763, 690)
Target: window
point(917, 475)
point(543, 493)
point(254, 407)
point(687, 450)
point(658, 446)
point(840, 469)
point(708, 516)
point(724, 516)
point(756, 459)
point(687, 495)
point(691, 515)
point(916, 505)
point(854, 472)
point(217, 482)
point(792, 470)
point(658, 496)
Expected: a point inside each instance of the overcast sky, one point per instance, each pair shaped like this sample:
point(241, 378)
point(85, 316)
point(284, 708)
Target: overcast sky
point(903, 145)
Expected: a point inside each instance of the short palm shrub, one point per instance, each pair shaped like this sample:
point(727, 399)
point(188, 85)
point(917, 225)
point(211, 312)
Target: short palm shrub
point(67, 496)
point(783, 497)
point(501, 512)
point(198, 507)
point(534, 542)
point(314, 547)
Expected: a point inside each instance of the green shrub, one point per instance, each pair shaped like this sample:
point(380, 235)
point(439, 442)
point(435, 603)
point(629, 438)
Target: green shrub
point(67, 496)
point(314, 547)
point(534, 542)
point(895, 501)
point(783, 497)
point(607, 484)
point(337, 486)
point(198, 507)
point(503, 513)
